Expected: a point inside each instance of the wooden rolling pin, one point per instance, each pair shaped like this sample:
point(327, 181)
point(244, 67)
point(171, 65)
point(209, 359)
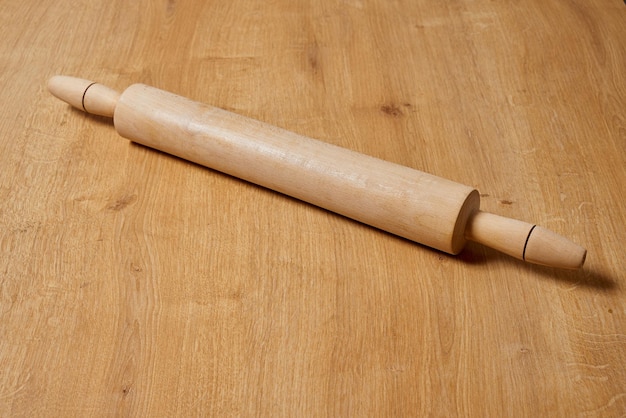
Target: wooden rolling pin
point(415, 205)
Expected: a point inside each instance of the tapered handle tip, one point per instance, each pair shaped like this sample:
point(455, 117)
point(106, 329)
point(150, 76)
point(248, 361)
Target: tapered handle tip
point(85, 95)
point(550, 249)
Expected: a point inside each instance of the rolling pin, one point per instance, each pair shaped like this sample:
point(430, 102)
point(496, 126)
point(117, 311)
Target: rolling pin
point(421, 207)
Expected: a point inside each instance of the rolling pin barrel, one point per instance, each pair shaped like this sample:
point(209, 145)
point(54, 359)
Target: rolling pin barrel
point(412, 204)
point(398, 199)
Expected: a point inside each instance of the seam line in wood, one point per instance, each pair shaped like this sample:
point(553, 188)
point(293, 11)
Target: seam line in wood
point(84, 93)
point(526, 243)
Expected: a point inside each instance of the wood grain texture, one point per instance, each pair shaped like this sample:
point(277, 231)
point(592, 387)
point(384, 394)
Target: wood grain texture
point(137, 284)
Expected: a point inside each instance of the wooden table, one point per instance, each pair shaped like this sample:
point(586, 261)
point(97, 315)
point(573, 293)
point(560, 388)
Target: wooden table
point(137, 284)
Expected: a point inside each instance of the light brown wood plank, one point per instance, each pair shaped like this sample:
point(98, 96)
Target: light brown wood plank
point(137, 284)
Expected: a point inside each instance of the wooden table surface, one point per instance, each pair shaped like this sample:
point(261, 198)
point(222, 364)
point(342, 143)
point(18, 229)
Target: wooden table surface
point(137, 284)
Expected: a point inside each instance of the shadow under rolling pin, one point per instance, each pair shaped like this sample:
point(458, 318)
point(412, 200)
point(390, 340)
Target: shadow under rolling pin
point(415, 205)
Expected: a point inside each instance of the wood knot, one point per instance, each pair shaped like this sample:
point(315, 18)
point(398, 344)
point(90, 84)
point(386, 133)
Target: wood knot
point(391, 110)
point(122, 202)
point(394, 110)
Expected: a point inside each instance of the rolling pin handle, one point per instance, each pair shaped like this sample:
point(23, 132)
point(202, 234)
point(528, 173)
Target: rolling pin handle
point(524, 241)
point(85, 95)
